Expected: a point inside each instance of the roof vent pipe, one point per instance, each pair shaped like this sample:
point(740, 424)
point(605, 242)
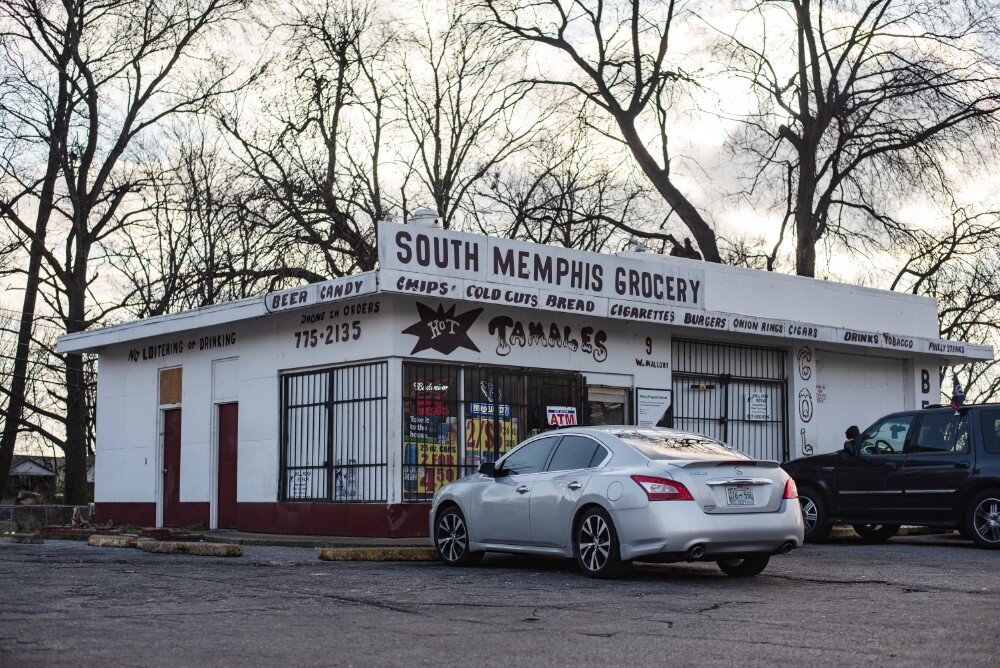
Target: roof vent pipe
point(633, 245)
point(425, 217)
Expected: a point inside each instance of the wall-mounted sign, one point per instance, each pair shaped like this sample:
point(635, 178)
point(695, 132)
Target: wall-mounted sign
point(504, 271)
point(758, 407)
point(561, 416)
point(483, 409)
point(319, 293)
point(651, 406)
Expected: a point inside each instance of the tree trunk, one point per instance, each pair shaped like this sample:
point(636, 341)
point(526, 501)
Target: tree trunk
point(75, 448)
point(18, 383)
point(702, 232)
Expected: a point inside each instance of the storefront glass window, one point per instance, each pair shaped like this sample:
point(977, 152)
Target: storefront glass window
point(498, 409)
point(431, 438)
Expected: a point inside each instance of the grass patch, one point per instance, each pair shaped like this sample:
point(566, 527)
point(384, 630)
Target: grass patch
point(194, 528)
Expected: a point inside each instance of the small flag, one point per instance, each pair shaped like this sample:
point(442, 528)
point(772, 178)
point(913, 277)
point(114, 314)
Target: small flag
point(957, 395)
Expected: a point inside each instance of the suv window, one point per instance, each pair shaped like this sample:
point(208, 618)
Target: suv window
point(531, 457)
point(990, 426)
point(942, 432)
point(574, 452)
point(886, 437)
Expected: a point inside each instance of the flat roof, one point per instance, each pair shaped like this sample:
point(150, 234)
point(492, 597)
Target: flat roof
point(429, 262)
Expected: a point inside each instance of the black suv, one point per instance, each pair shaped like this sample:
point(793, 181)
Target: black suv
point(931, 467)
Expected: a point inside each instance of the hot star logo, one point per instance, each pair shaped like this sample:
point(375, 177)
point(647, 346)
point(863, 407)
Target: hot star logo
point(442, 330)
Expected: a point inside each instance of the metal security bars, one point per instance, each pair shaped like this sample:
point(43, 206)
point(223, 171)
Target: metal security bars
point(733, 393)
point(334, 434)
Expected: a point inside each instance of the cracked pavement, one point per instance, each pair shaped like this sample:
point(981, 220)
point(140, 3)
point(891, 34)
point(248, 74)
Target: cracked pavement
point(928, 599)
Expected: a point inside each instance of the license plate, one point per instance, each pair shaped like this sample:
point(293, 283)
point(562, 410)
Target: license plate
point(740, 496)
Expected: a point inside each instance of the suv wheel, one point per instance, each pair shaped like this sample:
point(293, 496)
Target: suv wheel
point(982, 519)
point(451, 538)
point(814, 515)
point(876, 533)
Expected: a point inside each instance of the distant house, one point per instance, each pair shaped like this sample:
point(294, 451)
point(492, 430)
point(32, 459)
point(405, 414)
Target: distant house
point(30, 474)
point(41, 475)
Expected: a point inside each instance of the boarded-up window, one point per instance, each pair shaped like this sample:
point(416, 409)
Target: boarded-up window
point(170, 386)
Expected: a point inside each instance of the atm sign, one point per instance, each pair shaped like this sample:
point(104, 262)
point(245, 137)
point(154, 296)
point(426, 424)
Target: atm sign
point(561, 416)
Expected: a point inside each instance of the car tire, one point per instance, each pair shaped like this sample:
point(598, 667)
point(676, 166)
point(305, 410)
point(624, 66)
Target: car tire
point(596, 546)
point(451, 538)
point(875, 533)
point(744, 567)
point(815, 515)
point(982, 519)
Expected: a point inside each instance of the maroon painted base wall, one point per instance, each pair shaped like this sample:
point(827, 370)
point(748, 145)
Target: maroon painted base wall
point(139, 514)
point(398, 520)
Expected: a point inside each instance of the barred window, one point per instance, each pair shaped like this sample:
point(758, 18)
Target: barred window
point(333, 434)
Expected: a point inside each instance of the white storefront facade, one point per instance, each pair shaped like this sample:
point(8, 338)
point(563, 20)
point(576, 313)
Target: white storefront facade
point(339, 408)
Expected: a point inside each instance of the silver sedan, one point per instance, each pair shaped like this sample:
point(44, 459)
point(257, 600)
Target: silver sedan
point(609, 495)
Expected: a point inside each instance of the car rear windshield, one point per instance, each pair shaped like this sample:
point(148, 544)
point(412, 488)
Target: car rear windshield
point(660, 445)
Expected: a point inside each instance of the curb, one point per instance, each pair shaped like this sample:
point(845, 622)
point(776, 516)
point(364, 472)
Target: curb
point(846, 531)
point(193, 549)
point(26, 538)
point(377, 554)
point(99, 540)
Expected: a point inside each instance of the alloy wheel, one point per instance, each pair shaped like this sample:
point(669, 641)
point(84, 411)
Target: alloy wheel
point(595, 542)
point(452, 537)
point(987, 520)
point(810, 514)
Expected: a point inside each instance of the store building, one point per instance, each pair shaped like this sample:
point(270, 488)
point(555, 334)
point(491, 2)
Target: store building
point(339, 408)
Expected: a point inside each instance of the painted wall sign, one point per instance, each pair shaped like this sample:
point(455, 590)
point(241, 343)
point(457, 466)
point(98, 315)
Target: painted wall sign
point(155, 351)
point(318, 293)
point(651, 406)
point(561, 416)
point(442, 329)
point(486, 269)
point(546, 334)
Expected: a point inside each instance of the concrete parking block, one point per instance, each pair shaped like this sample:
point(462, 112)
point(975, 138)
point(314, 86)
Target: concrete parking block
point(377, 554)
point(194, 549)
point(26, 538)
point(98, 540)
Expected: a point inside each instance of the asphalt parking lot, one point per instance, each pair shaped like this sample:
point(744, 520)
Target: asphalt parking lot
point(917, 600)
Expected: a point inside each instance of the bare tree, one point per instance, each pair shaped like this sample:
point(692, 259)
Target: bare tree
point(125, 66)
point(619, 52)
point(317, 152)
point(462, 102)
point(37, 98)
point(565, 190)
point(864, 105)
point(959, 265)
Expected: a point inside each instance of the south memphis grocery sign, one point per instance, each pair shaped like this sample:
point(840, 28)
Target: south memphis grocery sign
point(432, 262)
point(429, 261)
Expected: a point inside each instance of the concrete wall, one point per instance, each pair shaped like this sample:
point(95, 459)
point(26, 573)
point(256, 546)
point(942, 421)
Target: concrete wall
point(608, 352)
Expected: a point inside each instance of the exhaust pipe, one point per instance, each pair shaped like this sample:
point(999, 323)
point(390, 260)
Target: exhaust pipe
point(787, 547)
point(696, 552)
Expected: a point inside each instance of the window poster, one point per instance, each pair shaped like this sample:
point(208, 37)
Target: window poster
point(430, 438)
point(480, 438)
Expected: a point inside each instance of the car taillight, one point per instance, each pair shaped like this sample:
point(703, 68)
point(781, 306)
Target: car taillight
point(791, 491)
point(662, 489)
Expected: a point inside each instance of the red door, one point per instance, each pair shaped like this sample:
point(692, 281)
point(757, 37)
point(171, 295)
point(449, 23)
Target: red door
point(227, 465)
point(171, 467)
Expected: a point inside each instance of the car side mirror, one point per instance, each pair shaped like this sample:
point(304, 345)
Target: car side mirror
point(853, 433)
point(488, 468)
point(851, 447)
